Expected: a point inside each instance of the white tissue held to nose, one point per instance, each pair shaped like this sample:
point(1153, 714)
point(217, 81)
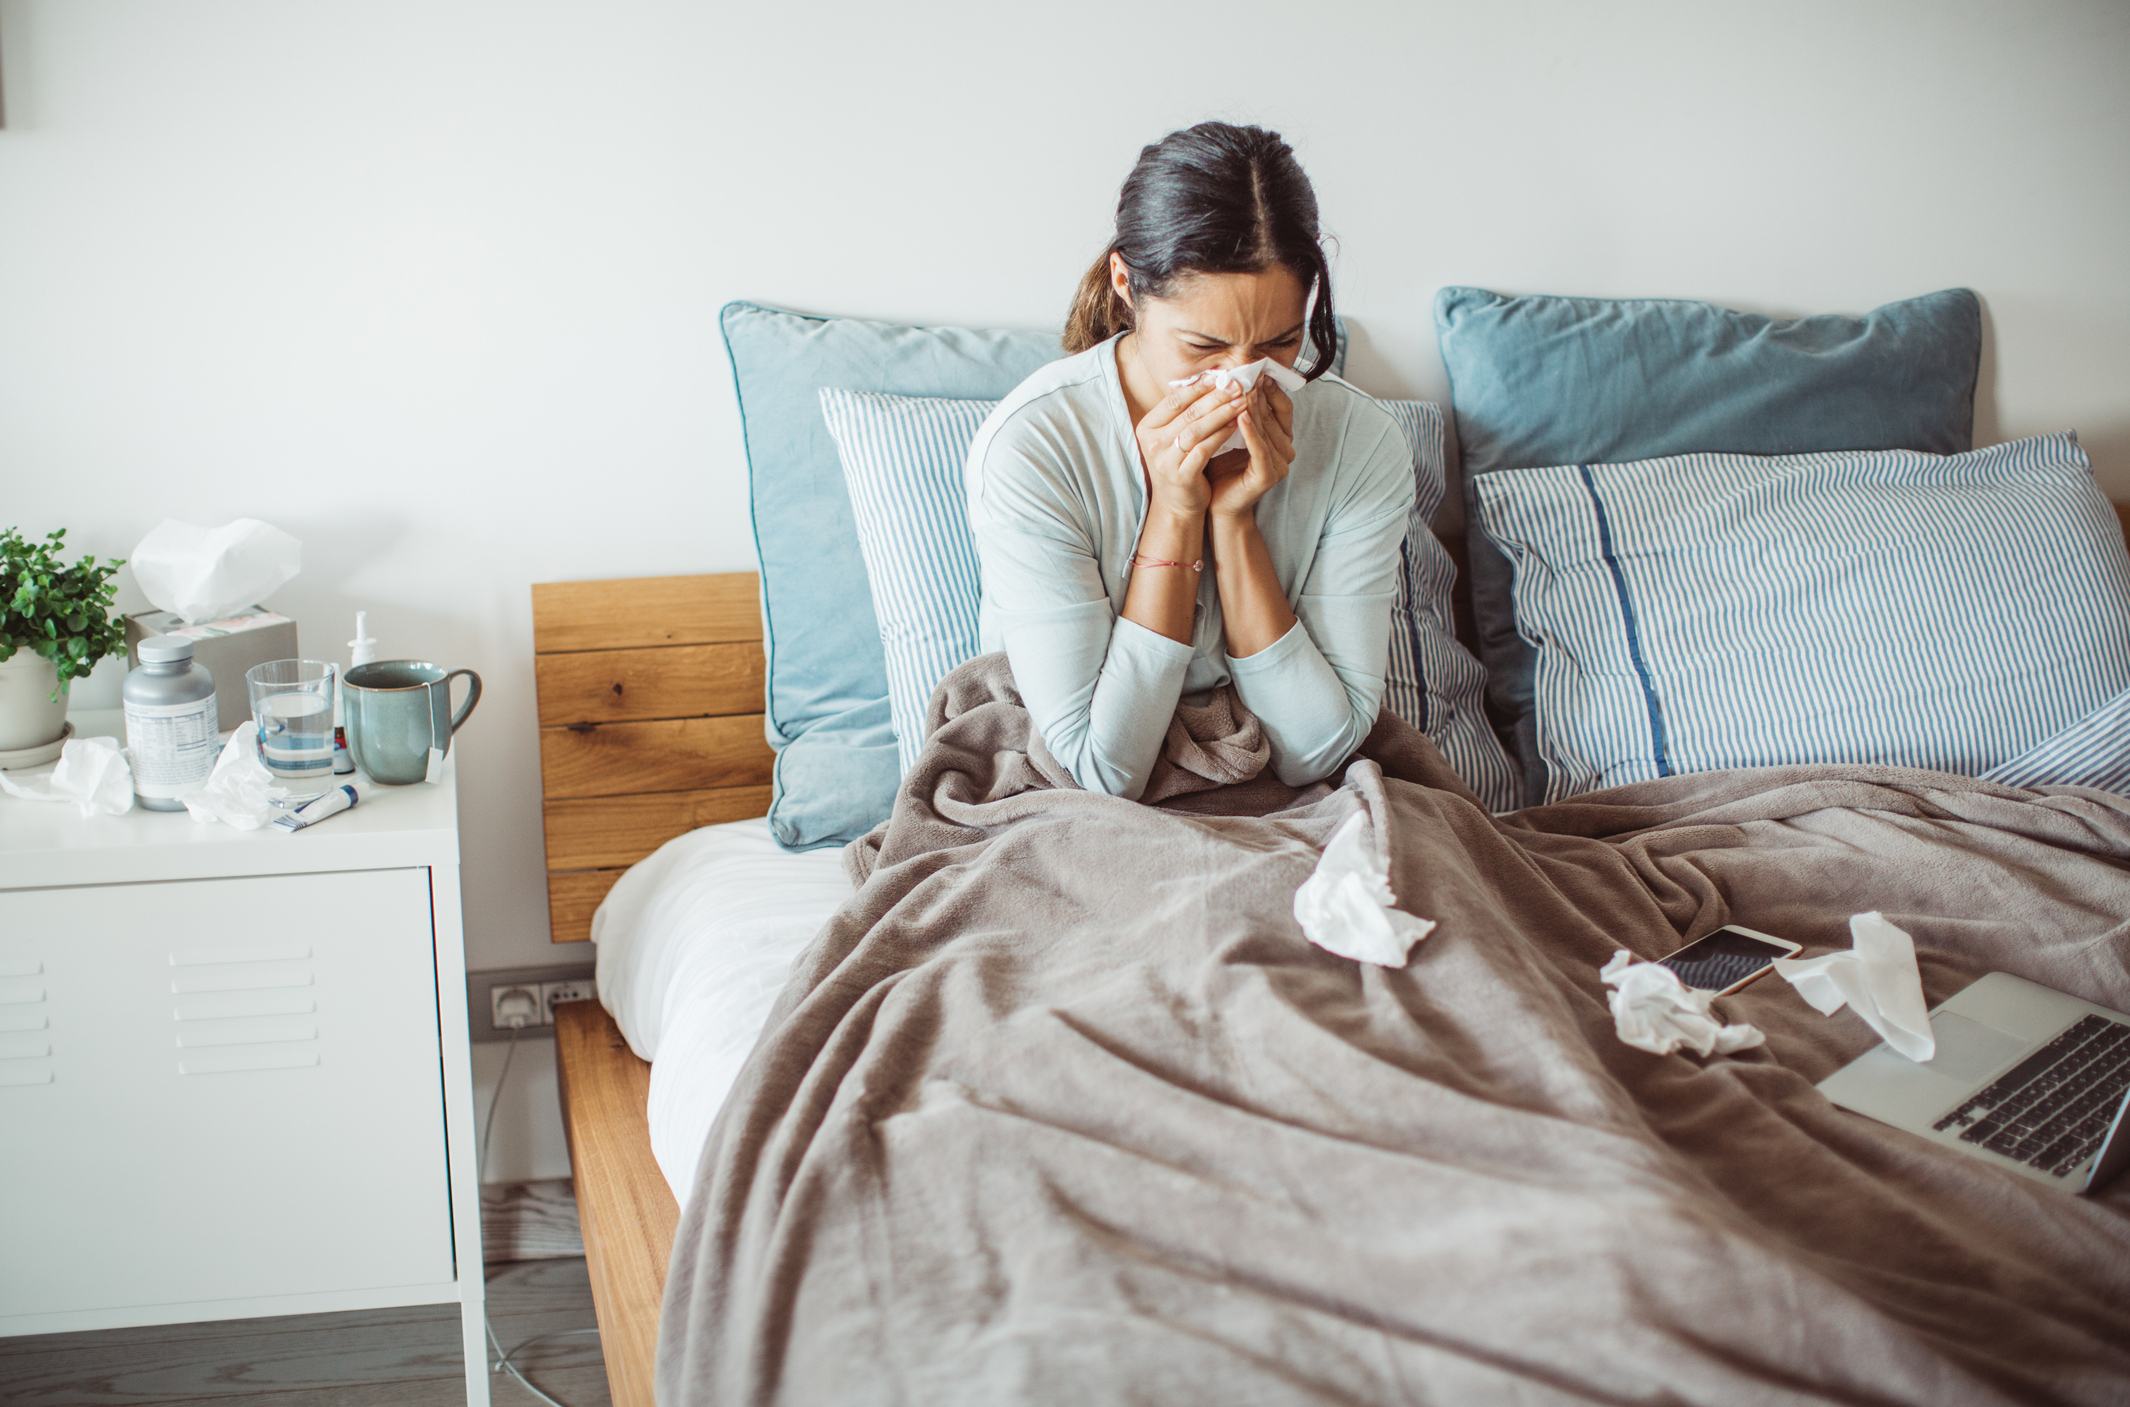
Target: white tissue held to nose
point(1877, 978)
point(1246, 378)
point(1344, 906)
point(1653, 1010)
point(92, 773)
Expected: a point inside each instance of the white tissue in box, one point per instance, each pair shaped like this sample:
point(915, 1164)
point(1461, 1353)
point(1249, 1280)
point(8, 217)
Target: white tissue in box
point(208, 573)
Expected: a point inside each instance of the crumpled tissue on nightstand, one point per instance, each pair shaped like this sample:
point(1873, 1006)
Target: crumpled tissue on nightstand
point(92, 773)
point(240, 792)
point(1344, 906)
point(1246, 377)
point(1653, 1010)
point(1878, 976)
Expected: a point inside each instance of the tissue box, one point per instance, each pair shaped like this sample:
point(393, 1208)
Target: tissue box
point(224, 648)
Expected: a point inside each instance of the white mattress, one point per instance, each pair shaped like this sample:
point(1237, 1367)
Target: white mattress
point(694, 943)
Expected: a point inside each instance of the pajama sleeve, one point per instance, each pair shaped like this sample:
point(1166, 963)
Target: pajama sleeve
point(1318, 688)
point(1100, 688)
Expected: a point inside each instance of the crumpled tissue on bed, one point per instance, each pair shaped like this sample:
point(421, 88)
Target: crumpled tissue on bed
point(1878, 976)
point(1344, 906)
point(92, 773)
point(240, 792)
point(1653, 1010)
point(1246, 377)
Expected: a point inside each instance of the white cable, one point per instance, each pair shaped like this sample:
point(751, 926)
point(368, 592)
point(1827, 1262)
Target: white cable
point(504, 1364)
point(541, 1338)
point(495, 1102)
point(488, 1125)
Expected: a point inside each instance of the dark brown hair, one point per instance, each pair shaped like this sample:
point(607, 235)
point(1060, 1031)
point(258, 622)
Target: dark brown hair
point(1210, 199)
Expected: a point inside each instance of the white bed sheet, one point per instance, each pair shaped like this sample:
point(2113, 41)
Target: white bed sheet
point(694, 943)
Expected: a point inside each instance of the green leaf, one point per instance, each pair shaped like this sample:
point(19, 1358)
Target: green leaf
point(64, 613)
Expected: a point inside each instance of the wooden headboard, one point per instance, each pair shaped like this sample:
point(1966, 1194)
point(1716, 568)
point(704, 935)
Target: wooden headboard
point(651, 722)
point(650, 699)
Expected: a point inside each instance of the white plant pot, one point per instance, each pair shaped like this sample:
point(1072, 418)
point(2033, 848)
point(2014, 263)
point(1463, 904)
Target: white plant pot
point(29, 717)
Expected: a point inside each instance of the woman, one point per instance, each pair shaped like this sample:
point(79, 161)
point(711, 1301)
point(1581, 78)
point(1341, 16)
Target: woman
point(1128, 562)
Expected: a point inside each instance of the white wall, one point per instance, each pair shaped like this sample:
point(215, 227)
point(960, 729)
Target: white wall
point(434, 285)
point(527, 1143)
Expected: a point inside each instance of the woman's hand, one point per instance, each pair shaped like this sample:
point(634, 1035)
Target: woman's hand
point(1267, 416)
point(1176, 442)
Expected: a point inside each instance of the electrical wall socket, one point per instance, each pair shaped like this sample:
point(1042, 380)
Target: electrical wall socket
point(520, 1000)
point(576, 989)
point(545, 986)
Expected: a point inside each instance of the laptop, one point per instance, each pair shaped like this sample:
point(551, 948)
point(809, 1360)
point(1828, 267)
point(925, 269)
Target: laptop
point(2025, 1076)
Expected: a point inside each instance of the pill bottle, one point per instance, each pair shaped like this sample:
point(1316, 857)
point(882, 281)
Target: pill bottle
point(170, 722)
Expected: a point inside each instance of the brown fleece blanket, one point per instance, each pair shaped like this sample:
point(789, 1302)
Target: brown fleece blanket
point(1061, 1107)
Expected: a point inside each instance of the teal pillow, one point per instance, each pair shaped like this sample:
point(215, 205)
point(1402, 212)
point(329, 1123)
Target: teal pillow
point(1540, 381)
point(827, 698)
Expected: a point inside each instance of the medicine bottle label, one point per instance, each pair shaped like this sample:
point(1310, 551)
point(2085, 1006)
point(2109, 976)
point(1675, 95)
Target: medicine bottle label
point(171, 746)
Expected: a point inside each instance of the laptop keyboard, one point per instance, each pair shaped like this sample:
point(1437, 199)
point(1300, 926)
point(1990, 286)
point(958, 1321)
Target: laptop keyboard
point(2052, 1110)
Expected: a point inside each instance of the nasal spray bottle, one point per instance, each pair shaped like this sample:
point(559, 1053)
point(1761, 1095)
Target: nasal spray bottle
point(362, 649)
point(341, 798)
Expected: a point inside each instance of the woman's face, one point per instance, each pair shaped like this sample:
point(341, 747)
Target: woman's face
point(1217, 320)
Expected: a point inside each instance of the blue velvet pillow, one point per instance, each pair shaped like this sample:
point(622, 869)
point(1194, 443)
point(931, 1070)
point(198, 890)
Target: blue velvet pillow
point(1542, 381)
point(827, 698)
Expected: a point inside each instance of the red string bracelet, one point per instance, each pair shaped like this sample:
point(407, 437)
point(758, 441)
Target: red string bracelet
point(1139, 561)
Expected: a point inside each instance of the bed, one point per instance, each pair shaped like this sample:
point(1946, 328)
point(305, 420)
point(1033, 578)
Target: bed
point(650, 726)
point(626, 1204)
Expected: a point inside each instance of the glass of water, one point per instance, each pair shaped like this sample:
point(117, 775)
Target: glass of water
point(292, 703)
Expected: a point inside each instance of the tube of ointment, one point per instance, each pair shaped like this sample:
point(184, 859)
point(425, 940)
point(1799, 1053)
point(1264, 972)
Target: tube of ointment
point(339, 799)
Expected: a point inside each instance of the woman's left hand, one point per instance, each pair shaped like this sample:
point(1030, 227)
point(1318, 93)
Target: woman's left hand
point(1268, 428)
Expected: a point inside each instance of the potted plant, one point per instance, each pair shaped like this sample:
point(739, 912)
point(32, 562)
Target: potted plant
point(56, 622)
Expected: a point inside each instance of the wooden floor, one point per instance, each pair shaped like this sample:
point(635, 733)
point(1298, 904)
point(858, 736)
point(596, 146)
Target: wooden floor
point(372, 1358)
point(530, 1221)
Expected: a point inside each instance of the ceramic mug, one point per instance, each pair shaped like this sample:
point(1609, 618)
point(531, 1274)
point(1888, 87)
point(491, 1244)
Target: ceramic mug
point(399, 718)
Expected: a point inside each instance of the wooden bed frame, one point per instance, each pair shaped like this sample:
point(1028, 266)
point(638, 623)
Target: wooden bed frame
point(650, 697)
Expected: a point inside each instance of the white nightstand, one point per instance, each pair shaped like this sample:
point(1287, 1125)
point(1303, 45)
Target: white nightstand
point(234, 1073)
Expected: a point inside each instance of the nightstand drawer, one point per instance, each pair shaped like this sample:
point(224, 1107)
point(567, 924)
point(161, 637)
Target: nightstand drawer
point(220, 1089)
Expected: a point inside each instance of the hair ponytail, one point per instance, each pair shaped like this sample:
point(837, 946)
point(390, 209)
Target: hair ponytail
point(1097, 314)
point(1210, 199)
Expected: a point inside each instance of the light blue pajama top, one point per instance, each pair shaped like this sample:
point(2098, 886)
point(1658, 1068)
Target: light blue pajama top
point(1056, 501)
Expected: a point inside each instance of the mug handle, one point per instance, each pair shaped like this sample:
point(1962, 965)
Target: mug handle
point(473, 696)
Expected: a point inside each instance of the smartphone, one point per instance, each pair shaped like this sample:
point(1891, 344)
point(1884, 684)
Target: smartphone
point(1727, 959)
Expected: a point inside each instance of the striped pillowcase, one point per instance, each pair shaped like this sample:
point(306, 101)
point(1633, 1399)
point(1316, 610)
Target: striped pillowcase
point(902, 458)
point(1949, 612)
point(1433, 682)
point(2093, 752)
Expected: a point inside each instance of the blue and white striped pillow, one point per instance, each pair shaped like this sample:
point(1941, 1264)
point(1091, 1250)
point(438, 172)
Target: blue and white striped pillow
point(1433, 682)
point(1949, 612)
point(902, 458)
point(2093, 752)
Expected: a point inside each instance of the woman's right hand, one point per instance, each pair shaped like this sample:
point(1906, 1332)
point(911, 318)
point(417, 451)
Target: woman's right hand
point(1176, 441)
